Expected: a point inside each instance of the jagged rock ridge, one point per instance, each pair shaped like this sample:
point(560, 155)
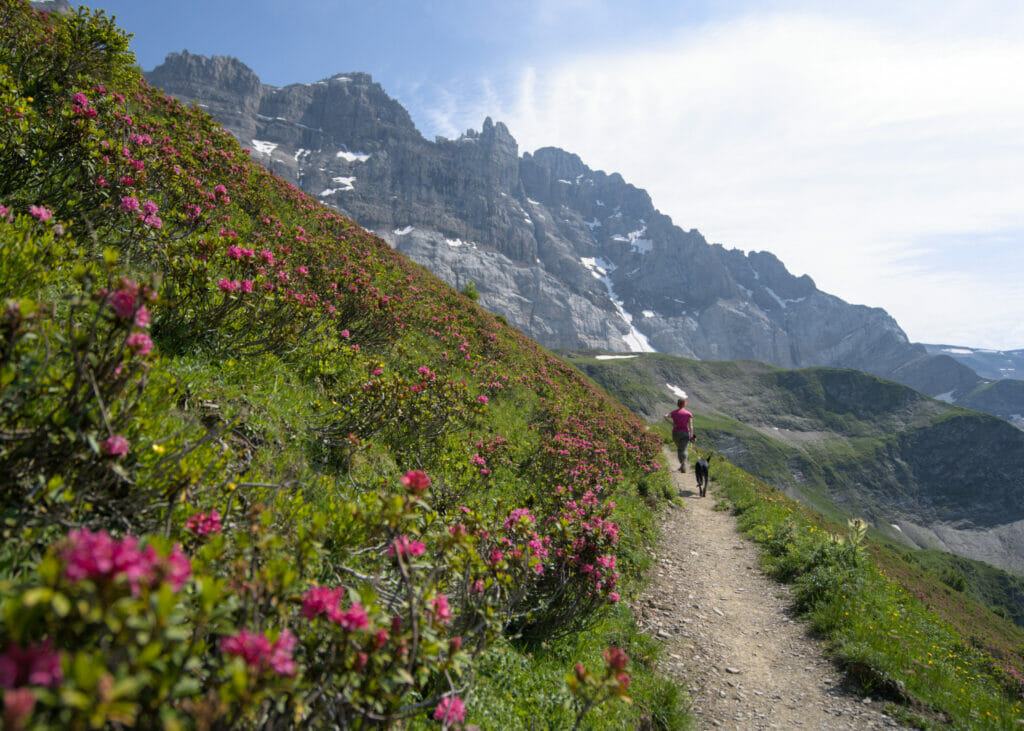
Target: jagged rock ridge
point(573, 257)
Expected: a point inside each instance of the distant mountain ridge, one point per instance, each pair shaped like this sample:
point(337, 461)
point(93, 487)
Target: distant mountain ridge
point(573, 257)
point(986, 362)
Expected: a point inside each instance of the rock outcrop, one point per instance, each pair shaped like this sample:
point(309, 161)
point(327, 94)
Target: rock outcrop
point(573, 257)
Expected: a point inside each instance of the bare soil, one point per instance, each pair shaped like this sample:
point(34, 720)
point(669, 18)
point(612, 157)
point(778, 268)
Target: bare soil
point(728, 634)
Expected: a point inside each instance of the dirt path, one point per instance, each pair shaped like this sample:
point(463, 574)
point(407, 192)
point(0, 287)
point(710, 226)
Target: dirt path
point(727, 633)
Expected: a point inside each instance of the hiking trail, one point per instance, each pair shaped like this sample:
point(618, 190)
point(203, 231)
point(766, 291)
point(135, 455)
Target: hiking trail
point(728, 634)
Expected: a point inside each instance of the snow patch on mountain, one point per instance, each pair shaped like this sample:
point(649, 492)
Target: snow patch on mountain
point(600, 268)
point(782, 302)
point(455, 243)
point(353, 156)
point(343, 183)
point(680, 393)
point(263, 147)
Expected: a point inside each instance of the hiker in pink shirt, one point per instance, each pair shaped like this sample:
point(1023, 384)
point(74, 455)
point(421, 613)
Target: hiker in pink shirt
point(682, 430)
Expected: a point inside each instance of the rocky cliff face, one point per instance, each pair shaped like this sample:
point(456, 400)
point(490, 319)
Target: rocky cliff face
point(571, 256)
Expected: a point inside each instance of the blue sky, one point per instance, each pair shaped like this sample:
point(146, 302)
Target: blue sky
point(877, 147)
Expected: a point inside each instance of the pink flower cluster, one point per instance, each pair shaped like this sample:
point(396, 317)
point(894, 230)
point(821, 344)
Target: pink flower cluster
point(404, 546)
point(148, 213)
point(115, 446)
point(139, 343)
point(126, 304)
point(240, 252)
point(519, 516)
point(440, 610)
point(80, 106)
point(450, 710)
point(40, 213)
point(100, 557)
point(149, 210)
point(416, 481)
point(617, 660)
point(260, 654)
point(327, 601)
point(232, 285)
point(32, 665)
point(204, 523)
point(21, 668)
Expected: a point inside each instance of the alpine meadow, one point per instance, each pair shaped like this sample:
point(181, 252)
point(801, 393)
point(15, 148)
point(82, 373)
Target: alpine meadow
point(258, 469)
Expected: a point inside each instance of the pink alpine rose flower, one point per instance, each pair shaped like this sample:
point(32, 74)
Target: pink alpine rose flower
point(32, 665)
point(139, 343)
point(416, 481)
point(323, 600)
point(280, 659)
point(18, 706)
point(404, 546)
point(115, 446)
point(450, 710)
point(259, 654)
point(40, 213)
point(440, 609)
point(176, 568)
point(354, 618)
point(122, 303)
point(99, 557)
point(616, 658)
point(204, 523)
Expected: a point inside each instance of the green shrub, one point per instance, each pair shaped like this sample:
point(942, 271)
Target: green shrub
point(471, 291)
point(220, 403)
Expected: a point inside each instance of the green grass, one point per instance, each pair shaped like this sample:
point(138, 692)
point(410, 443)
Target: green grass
point(525, 689)
point(895, 644)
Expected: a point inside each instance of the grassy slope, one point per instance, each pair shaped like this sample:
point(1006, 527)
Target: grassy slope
point(300, 368)
point(904, 634)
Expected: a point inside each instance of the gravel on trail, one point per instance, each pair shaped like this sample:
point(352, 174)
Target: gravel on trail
point(729, 636)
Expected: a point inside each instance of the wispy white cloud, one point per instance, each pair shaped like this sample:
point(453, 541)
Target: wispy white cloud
point(839, 144)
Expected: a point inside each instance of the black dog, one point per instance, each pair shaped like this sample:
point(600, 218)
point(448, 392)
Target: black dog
point(703, 471)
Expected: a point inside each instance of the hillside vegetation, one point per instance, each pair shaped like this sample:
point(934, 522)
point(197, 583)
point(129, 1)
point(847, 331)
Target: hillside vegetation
point(852, 444)
point(905, 636)
point(260, 470)
point(777, 427)
point(843, 441)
